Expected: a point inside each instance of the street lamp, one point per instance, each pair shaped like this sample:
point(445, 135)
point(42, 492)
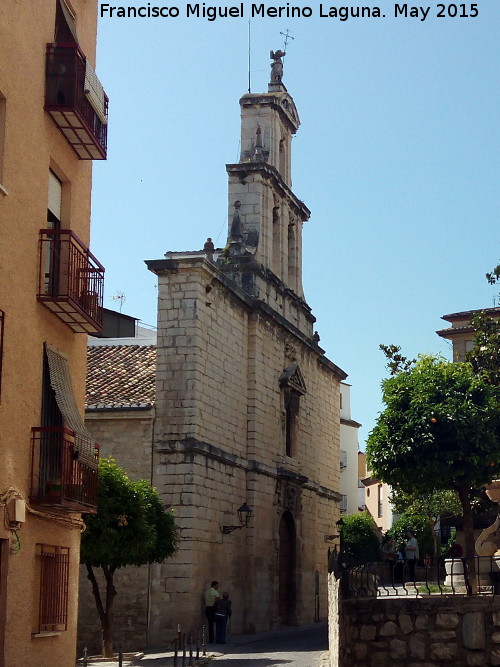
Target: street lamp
point(244, 514)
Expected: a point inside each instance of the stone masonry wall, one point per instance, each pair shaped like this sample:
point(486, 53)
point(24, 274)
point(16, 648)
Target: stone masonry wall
point(421, 632)
point(126, 436)
point(220, 442)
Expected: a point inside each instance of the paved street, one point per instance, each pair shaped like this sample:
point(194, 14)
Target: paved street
point(299, 647)
point(304, 646)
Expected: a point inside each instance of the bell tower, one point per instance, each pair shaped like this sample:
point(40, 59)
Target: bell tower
point(264, 244)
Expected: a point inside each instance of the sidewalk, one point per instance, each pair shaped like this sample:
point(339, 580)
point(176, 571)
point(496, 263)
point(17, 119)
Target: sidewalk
point(161, 658)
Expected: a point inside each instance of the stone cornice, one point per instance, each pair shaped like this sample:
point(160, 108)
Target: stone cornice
point(177, 265)
point(278, 99)
point(350, 422)
point(193, 446)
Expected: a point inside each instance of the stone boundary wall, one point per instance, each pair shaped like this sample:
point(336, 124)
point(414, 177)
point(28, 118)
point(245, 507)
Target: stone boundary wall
point(419, 632)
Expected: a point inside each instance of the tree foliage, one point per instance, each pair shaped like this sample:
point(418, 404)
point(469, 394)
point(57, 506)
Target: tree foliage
point(439, 430)
point(429, 508)
point(493, 277)
point(360, 539)
point(419, 524)
point(131, 527)
point(437, 503)
point(485, 353)
point(396, 362)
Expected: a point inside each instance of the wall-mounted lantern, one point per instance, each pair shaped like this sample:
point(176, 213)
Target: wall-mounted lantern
point(244, 514)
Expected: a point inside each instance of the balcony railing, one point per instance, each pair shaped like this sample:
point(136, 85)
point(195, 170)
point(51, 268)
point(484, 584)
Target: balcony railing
point(76, 101)
point(58, 477)
point(71, 280)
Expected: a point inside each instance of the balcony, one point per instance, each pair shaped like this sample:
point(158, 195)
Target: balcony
point(71, 280)
point(76, 101)
point(60, 477)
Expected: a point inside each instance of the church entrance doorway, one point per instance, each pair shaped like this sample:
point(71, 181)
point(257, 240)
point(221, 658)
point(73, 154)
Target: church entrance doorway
point(286, 566)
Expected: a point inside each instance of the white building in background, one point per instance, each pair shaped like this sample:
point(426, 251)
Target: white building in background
point(349, 446)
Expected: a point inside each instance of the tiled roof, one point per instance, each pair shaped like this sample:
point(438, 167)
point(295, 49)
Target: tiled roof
point(467, 314)
point(121, 376)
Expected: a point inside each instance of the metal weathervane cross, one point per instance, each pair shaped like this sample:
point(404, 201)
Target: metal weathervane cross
point(287, 36)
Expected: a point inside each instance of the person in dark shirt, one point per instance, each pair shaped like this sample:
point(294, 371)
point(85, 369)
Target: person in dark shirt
point(222, 613)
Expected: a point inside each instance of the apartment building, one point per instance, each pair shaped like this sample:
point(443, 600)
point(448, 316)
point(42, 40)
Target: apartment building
point(53, 123)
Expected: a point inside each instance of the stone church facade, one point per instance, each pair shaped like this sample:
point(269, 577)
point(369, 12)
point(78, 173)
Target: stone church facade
point(247, 405)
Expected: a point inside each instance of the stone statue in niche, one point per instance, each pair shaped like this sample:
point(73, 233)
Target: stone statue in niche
point(235, 232)
point(277, 66)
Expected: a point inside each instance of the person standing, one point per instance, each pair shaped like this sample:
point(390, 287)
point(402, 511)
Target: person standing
point(222, 614)
point(411, 551)
point(211, 596)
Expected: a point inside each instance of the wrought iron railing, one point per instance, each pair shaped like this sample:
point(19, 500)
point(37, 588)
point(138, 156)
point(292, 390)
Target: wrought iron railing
point(58, 477)
point(67, 101)
point(477, 575)
point(71, 280)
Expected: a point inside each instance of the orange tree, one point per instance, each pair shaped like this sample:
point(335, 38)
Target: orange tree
point(485, 353)
point(440, 429)
point(131, 527)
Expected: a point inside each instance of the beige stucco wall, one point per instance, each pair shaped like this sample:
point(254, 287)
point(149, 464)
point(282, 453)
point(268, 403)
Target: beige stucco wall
point(33, 144)
point(385, 521)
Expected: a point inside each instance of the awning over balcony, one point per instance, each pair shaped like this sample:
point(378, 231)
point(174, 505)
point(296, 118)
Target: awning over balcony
point(60, 380)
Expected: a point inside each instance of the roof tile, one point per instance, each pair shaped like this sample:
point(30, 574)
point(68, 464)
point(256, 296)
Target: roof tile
point(120, 376)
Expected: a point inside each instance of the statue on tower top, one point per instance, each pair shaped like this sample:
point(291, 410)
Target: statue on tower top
point(277, 65)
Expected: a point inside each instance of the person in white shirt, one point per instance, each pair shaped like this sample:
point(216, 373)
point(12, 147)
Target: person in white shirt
point(411, 551)
point(211, 596)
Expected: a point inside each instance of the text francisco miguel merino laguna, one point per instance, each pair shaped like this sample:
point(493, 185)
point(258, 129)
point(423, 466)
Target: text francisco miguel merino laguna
point(255, 10)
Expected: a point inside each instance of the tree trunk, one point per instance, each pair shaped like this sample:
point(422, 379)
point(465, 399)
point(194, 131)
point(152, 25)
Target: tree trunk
point(107, 639)
point(432, 525)
point(107, 627)
point(463, 494)
point(104, 611)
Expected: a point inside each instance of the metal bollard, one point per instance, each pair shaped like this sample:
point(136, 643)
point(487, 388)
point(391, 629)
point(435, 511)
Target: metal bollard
point(183, 650)
point(120, 656)
point(85, 663)
point(203, 643)
point(176, 651)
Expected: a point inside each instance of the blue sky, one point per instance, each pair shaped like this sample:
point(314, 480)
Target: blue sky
point(397, 157)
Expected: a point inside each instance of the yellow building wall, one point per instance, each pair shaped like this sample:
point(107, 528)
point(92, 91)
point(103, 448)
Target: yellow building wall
point(32, 145)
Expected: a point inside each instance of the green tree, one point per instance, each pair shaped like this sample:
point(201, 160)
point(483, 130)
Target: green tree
point(434, 505)
point(419, 524)
point(485, 353)
point(360, 540)
point(439, 430)
point(131, 527)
